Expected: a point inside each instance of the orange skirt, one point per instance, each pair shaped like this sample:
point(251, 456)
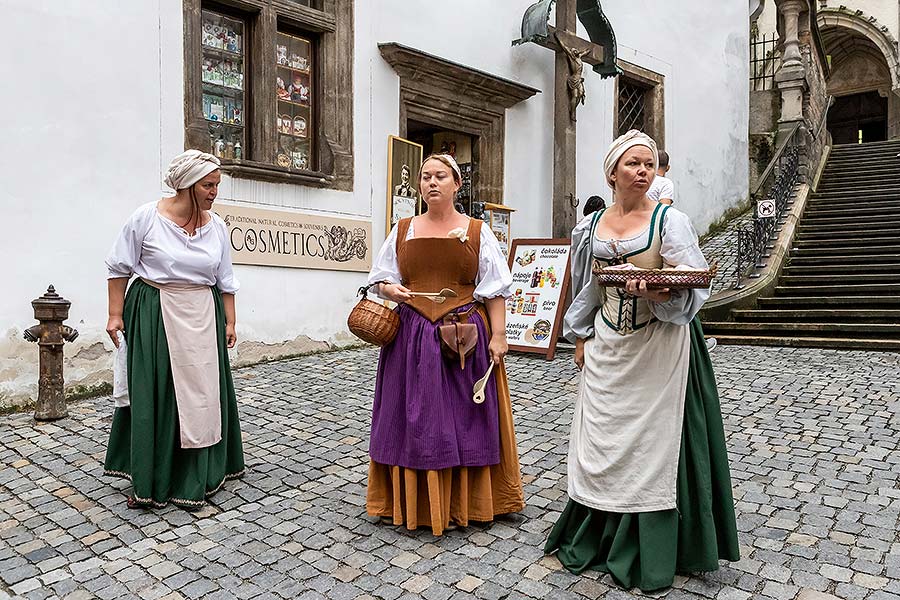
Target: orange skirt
point(455, 495)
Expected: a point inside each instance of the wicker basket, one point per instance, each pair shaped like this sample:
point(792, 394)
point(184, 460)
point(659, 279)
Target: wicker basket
point(373, 322)
point(656, 278)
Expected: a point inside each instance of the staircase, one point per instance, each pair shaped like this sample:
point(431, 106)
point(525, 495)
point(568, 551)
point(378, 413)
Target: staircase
point(841, 285)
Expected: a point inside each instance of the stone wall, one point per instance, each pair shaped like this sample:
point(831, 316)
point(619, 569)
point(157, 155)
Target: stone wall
point(815, 101)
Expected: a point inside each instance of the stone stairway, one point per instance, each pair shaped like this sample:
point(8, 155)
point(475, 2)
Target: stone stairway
point(841, 285)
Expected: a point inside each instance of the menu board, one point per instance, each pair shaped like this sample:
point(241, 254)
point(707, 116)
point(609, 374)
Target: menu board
point(534, 313)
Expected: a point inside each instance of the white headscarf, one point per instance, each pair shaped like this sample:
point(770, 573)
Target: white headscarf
point(189, 167)
point(449, 159)
point(621, 145)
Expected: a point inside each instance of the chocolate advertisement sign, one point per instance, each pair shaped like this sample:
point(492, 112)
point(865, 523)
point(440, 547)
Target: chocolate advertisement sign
point(540, 271)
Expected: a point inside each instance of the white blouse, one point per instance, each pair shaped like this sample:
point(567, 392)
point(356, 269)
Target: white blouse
point(155, 248)
point(493, 279)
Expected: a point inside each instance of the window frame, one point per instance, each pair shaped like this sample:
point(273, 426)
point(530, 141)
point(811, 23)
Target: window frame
point(654, 99)
point(331, 23)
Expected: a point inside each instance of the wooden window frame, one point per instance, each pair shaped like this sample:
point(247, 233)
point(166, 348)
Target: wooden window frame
point(654, 100)
point(331, 24)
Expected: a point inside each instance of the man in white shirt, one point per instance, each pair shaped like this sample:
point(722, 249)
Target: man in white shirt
point(662, 189)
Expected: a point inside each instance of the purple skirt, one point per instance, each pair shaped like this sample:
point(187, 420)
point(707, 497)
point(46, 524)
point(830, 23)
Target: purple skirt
point(424, 417)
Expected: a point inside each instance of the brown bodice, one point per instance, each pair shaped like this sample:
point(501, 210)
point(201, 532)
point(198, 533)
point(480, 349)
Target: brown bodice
point(430, 264)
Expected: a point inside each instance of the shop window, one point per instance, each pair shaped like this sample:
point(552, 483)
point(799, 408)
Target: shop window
point(222, 76)
point(268, 88)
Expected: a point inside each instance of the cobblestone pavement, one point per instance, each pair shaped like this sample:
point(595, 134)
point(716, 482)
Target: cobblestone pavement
point(722, 249)
point(813, 440)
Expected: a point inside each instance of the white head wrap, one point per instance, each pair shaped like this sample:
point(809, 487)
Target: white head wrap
point(189, 167)
point(449, 159)
point(621, 145)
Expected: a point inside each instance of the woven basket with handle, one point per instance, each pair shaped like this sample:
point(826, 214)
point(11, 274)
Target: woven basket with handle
point(373, 322)
point(656, 278)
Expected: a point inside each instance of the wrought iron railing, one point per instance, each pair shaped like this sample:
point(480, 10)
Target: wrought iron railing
point(776, 187)
point(764, 59)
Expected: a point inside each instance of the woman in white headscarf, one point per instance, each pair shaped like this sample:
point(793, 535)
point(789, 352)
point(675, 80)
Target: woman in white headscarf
point(648, 481)
point(175, 433)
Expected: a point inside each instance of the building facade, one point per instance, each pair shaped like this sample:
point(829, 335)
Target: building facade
point(300, 98)
point(860, 41)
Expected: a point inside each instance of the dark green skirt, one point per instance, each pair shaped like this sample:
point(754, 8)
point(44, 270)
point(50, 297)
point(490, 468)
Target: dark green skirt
point(645, 550)
point(144, 444)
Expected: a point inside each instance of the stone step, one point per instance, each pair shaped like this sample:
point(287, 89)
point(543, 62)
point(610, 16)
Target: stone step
point(838, 269)
point(847, 290)
point(835, 247)
point(872, 212)
point(810, 342)
point(832, 174)
point(869, 147)
point(861, 239)
point(857, 260)
point(844, 279)
point(834, 234)
point(818, 301)
point(813, 223)
point(875, 187)
point(848, 195)
point(877, 330)
point(870, 162)
point(844, 315)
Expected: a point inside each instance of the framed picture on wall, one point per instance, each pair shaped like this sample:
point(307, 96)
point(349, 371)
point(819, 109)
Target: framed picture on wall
point(404, 158)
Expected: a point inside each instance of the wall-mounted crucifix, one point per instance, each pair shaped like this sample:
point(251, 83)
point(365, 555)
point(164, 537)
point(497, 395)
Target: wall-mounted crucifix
point(572, 53)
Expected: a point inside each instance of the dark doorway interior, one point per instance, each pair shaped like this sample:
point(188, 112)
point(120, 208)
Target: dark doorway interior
point(462, 146)
point(858, 118)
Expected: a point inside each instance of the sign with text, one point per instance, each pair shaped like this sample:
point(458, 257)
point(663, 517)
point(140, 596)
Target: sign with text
point(540, 271)
point(280, 238)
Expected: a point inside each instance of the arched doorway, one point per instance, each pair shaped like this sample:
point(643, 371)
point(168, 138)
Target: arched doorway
point(864, 78)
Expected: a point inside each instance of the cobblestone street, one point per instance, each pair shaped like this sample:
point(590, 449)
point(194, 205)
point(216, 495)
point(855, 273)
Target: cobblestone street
point(813, 440)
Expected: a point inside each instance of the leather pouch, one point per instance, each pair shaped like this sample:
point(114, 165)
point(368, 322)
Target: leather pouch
point(458, 337)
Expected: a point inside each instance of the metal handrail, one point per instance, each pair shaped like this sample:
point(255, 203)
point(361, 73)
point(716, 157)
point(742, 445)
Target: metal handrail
point(755, 242)
point(770, 168)
point(824, 117)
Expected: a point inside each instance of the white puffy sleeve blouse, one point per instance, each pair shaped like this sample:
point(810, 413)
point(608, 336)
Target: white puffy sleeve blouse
point(157, 249)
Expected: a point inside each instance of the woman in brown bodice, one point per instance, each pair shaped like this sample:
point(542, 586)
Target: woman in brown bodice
point(437, 457)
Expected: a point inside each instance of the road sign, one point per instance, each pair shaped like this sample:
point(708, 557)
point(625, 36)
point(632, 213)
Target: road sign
point(765, 209)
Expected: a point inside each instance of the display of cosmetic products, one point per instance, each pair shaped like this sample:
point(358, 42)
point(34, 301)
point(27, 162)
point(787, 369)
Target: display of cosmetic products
point(227, 72)
point(222, 33)
point(223, 109)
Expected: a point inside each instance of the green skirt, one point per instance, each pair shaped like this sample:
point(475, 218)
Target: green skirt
point(645, 550)
point(144, 444)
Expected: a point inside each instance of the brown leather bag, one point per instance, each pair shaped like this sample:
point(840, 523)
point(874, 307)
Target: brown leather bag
point(458, 337)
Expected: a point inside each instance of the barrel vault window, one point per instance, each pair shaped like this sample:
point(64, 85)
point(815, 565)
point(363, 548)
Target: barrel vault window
point(268, 88)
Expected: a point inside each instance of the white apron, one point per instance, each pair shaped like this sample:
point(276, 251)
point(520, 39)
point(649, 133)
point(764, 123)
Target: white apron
point(189, 316)
point(626, 429)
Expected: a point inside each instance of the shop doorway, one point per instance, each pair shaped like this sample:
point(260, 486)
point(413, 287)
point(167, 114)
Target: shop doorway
point(859, 118)
point(461, 146)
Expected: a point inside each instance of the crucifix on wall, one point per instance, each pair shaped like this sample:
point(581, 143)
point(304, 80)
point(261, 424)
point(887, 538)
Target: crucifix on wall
point(572, 53)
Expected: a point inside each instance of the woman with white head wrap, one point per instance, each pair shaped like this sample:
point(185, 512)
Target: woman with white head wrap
point(648, 481)
point(175, 432)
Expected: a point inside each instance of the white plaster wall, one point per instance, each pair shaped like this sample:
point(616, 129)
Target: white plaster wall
point(704, 55)
point(885, 11)
point(87, 140)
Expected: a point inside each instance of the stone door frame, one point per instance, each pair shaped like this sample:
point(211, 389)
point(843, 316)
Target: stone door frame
point(449, 95)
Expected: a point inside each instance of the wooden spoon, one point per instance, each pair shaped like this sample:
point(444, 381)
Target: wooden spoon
point(478, 388)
